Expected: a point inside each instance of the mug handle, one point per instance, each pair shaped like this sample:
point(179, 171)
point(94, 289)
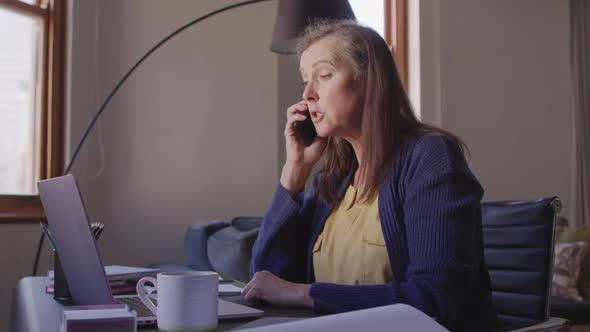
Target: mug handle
point(140, 288)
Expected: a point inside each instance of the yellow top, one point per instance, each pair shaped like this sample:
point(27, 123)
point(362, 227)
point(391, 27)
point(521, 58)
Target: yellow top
point(351, 248)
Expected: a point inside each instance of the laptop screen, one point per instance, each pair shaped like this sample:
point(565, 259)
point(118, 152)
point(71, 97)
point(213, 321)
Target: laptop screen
point(76, 247)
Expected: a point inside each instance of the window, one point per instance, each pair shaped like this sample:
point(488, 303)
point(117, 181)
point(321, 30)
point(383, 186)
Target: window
point(31, 103)
point(389, 18)
point(370, 13)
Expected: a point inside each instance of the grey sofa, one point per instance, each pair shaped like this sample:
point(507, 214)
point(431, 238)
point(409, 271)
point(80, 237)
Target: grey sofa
point(222, 246)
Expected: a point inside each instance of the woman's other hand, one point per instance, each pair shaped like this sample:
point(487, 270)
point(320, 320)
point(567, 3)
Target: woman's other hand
point(265, 286)
point(300, 159)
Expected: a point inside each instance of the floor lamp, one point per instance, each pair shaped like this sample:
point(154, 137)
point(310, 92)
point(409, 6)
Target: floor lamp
point(292, 17)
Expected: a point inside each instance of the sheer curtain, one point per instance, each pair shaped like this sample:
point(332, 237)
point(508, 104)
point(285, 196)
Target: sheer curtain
point(580, 60)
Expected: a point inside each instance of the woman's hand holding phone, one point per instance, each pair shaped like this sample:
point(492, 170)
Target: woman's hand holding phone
point(300, 159)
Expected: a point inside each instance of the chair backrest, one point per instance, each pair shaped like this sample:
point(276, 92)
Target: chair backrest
point(518, 241)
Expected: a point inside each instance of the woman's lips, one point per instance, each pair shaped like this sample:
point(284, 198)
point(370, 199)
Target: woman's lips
point(315, 114)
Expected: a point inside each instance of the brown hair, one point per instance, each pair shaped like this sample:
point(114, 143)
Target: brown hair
point(388, 119)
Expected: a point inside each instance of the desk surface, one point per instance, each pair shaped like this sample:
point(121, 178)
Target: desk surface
point(35, 310)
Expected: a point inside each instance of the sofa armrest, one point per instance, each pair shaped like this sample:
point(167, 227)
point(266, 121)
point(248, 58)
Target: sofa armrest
point(195, 243)
point(230, 249)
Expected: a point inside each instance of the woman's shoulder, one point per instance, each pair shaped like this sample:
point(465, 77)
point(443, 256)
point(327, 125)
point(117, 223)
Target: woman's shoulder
point(432, 142)
point(432, 146)
point(428, 153)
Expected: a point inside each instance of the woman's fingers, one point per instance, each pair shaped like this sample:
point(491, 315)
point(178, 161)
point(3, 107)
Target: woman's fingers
point(289, 126)
point(294, 113)
point(248, 286)
point(266, 287)
point(295, 108)
point(251, 296)
point(296, 117)
point(296, 153)
point(249, 293)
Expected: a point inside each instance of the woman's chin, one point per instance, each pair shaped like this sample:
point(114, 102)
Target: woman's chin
point(322, 131)
point(322, 134)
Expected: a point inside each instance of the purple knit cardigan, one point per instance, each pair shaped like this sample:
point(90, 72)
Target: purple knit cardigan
point(429, 208)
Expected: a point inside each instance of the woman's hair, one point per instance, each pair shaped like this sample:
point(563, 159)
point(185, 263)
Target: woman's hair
point(388, 119)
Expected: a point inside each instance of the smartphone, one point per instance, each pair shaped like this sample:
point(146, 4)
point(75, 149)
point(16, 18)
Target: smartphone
point(306, 130)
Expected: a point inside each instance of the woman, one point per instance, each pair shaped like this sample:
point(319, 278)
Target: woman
point(394, 217)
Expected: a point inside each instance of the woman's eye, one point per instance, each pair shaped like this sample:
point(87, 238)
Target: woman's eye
point(325, 76)
point(304, 84)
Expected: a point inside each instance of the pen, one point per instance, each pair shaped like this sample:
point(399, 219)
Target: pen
point(46, 232)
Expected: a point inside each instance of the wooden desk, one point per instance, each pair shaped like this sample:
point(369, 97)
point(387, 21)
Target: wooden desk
point(35, 310)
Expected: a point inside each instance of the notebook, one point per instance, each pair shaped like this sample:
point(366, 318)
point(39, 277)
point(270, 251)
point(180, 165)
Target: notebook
point(80, 259)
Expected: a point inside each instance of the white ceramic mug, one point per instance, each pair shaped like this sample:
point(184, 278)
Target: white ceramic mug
point(187, 301)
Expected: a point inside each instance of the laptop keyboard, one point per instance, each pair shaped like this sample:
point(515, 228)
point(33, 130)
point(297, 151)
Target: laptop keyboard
point(135, 303)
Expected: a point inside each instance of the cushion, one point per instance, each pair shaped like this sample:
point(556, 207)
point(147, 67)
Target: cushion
point(574, 234)
point(568, 259)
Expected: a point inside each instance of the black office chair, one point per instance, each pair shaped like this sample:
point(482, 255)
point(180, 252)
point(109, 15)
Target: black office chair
point(518, 247)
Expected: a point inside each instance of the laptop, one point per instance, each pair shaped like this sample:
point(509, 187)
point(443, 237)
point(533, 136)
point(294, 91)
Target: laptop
point(80, 259)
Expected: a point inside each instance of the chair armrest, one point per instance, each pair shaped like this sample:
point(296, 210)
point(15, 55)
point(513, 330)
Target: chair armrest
point(552, 324)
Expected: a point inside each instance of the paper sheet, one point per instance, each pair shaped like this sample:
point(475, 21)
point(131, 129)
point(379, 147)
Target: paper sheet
point(396, 317)
point(229, 289)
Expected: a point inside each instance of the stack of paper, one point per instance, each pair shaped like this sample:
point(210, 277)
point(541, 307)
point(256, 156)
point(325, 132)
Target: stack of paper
point(120, 272)
point(122, 279)
point(111, 317)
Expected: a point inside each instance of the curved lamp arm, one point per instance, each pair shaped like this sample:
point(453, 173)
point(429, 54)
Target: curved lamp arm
point(292, 17)
point(130, 71)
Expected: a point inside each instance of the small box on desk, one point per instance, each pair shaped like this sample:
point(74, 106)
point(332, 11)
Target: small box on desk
point(112, 317)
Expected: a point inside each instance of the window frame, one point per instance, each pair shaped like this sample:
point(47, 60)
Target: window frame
point(396, 34)
point(50, 114)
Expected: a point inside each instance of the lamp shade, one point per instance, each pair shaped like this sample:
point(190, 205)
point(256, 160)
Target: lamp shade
point(294, 15)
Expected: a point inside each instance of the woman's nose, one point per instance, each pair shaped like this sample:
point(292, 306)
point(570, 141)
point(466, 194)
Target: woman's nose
point(309, 93)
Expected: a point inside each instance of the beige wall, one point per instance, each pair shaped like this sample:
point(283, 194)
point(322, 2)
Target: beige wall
point(191, 136)
point(497, 74)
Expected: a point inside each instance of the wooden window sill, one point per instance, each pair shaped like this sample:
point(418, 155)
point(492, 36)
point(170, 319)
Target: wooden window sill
point(21, 209)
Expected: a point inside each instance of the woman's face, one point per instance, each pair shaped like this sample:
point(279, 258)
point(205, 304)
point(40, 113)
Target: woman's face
point(334, 100)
